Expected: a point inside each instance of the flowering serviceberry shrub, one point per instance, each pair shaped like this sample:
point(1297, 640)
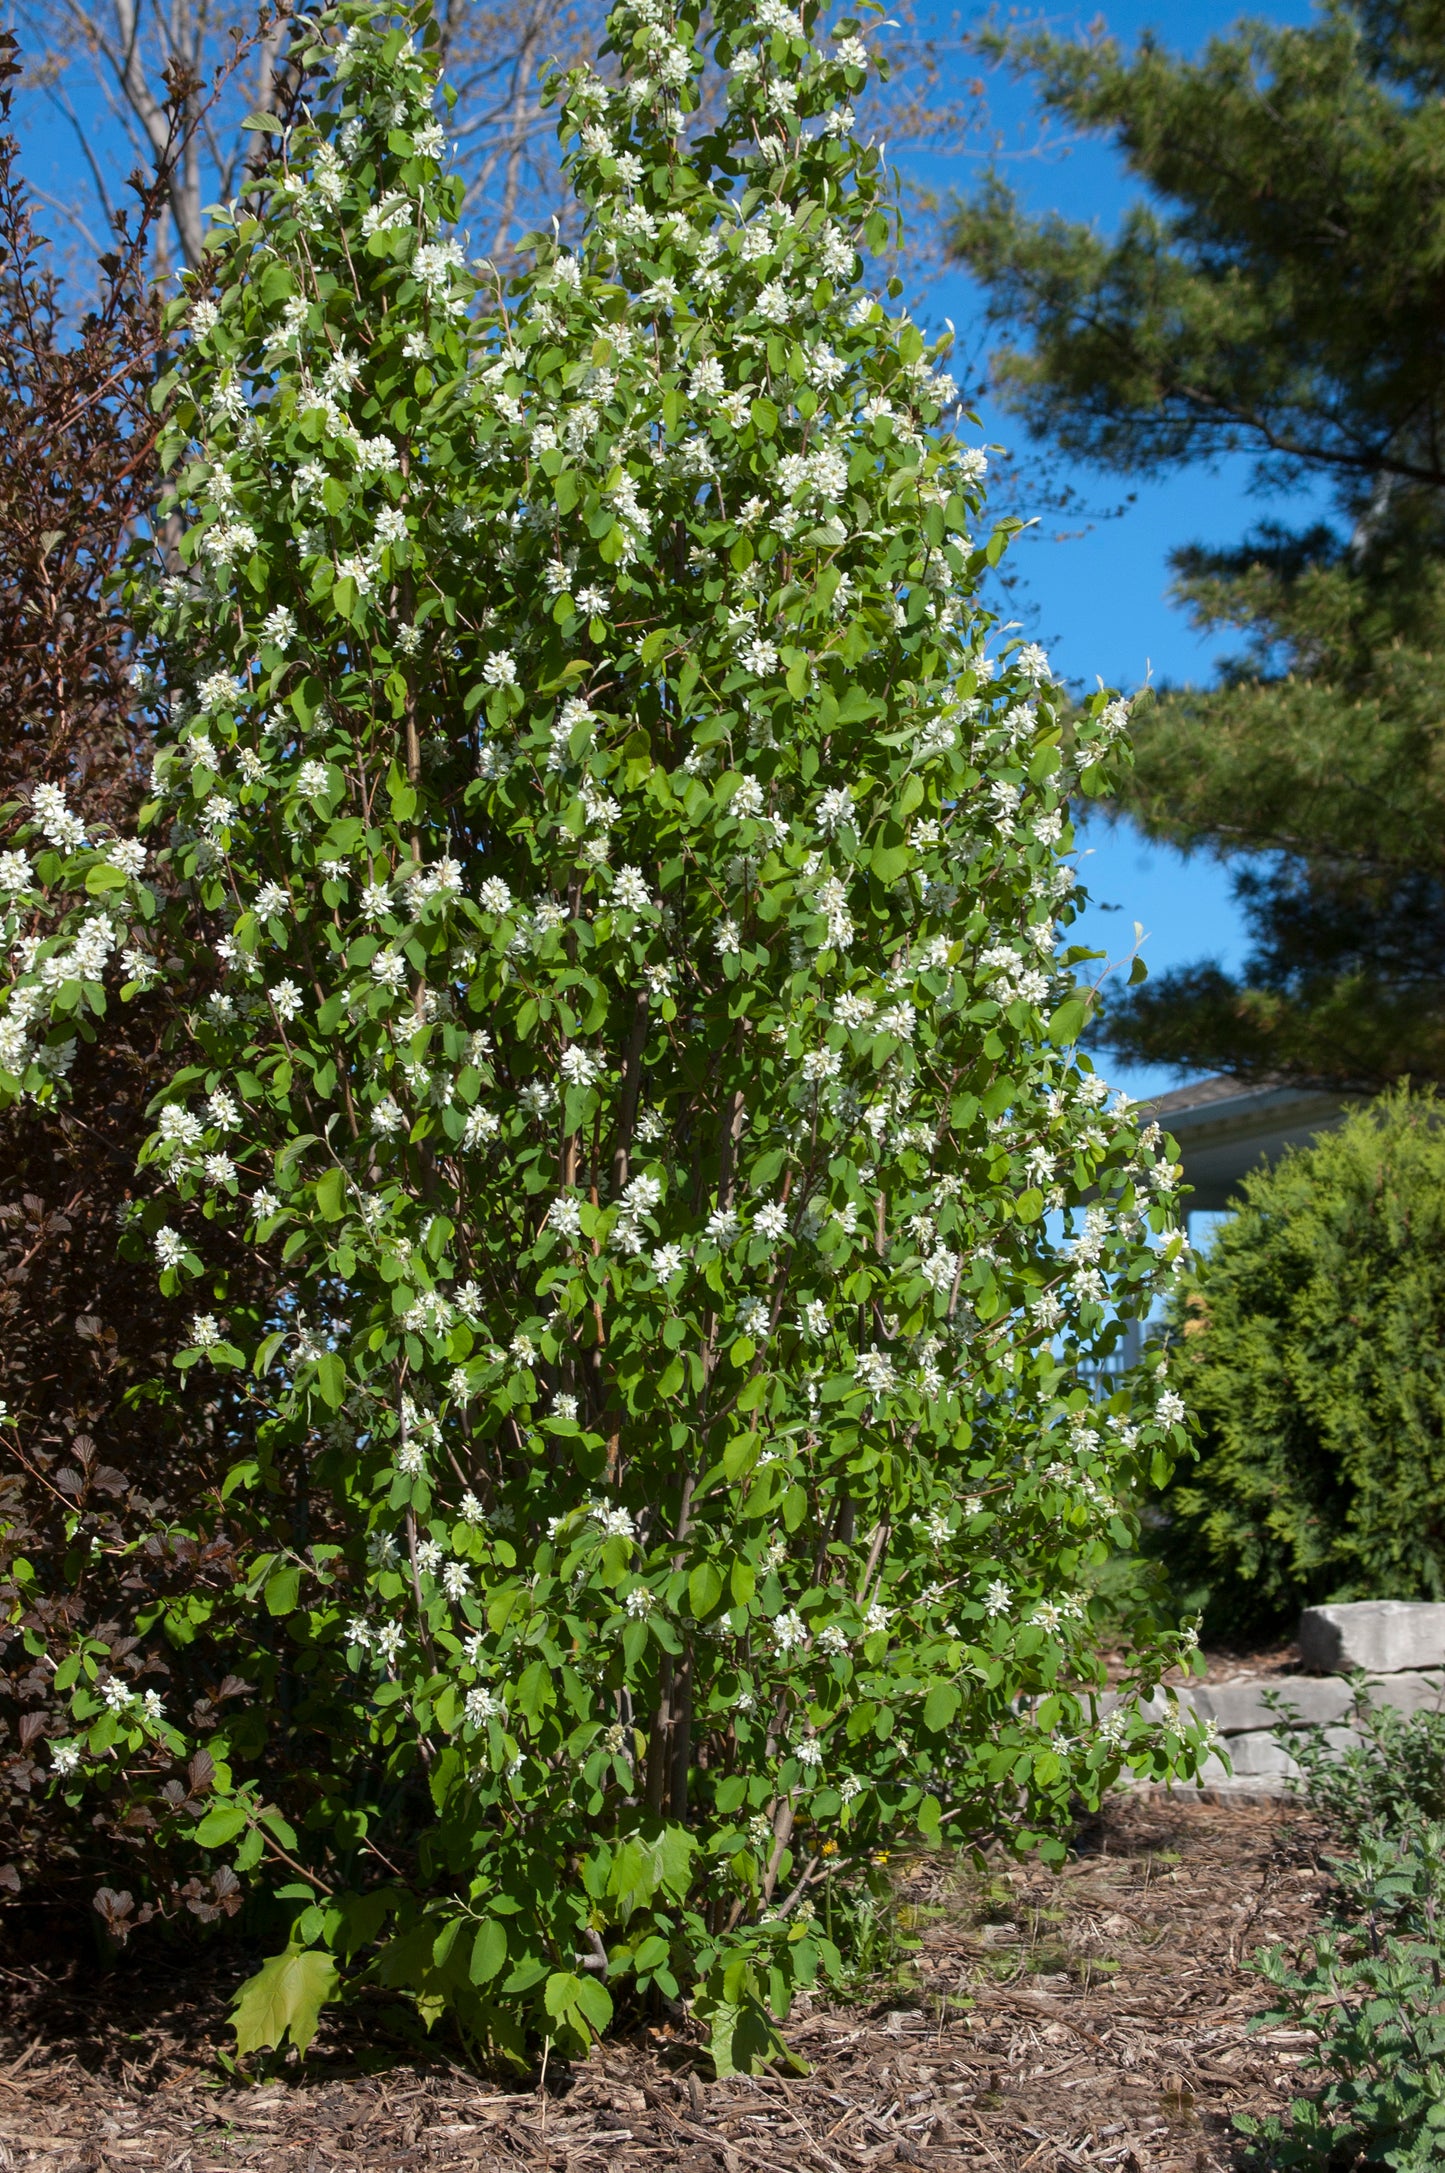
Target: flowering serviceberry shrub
point(620, 886)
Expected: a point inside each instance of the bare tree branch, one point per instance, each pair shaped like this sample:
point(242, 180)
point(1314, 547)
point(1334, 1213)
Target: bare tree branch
point(208, 64)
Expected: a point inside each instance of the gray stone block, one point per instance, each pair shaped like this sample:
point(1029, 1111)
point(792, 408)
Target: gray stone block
point(1238, 1708)
point(1409, 1693)
point(1257, 1754)
point(1385, 1637)
point(1213, 1776)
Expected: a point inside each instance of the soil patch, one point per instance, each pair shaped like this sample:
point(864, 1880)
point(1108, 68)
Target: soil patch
point(1095, 2018)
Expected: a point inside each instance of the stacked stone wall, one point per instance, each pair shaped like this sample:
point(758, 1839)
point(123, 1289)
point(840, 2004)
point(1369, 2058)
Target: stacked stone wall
point(1399, 1646)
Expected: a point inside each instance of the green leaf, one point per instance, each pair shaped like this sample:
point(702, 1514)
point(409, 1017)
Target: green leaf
point(940, 1706)
point(560, 1992)
point(742, 2037)
point(740, 1455)
point(331, 1380)
point(536, 1691)
point(1069, 1020)
point(219, 1826)
point(331, 1194)
point(283, 1589)
point(489, 1951)
point(595, 2002)
point(704, 1589)
point(283, 1999)
point(672, 1378)
point(659, 1857)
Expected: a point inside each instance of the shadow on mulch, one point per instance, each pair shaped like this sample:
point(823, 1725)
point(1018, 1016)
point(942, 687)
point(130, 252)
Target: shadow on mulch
point(1094, 2018)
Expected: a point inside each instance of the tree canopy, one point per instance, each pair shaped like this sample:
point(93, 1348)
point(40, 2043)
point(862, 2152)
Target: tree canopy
point(606, 875)
point(1275, 296)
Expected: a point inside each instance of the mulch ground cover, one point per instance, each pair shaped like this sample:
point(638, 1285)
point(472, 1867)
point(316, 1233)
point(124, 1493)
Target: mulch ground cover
point(1096, 2018)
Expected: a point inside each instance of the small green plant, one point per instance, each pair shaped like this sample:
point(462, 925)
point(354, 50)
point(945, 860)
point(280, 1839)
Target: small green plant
point(1370, 1986)
point(871, 1928)
point(1371, 1990)
point(1390, 1781)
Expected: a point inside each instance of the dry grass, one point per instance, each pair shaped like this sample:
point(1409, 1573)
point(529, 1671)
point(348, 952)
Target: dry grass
point(1094, 2019)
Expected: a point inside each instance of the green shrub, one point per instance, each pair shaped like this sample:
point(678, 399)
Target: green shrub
point(1371, 1988)
point(1392, 1780)
point(616, 902)
point(1370, 1985)
point(1311, 1344)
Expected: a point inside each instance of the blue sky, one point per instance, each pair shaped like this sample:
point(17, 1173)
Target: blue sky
point(1098, 598)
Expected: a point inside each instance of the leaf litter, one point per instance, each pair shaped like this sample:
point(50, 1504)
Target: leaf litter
point(1034, 2022)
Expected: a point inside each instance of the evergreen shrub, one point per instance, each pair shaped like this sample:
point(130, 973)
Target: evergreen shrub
point(1310, 1340)
point(614, 884)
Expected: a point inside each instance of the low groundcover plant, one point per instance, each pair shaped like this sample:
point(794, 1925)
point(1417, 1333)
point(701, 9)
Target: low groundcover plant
point(1369, 1987)
point(617, 894)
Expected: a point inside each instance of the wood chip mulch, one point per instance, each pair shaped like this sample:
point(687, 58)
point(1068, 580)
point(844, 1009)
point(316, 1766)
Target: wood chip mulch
point(1042, 2024)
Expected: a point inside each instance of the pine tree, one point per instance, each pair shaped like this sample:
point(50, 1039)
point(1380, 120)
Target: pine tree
point(1276, 297)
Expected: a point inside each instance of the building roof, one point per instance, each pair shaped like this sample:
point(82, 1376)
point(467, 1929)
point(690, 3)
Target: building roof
point(1227, 1127)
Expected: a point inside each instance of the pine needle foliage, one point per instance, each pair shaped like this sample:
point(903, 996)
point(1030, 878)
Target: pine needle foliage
point(1270, 297)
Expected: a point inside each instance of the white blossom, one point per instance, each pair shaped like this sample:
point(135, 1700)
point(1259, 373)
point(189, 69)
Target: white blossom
point(578, 1067)
point(57, 824)
point(630, 891)
point(874, 1370)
